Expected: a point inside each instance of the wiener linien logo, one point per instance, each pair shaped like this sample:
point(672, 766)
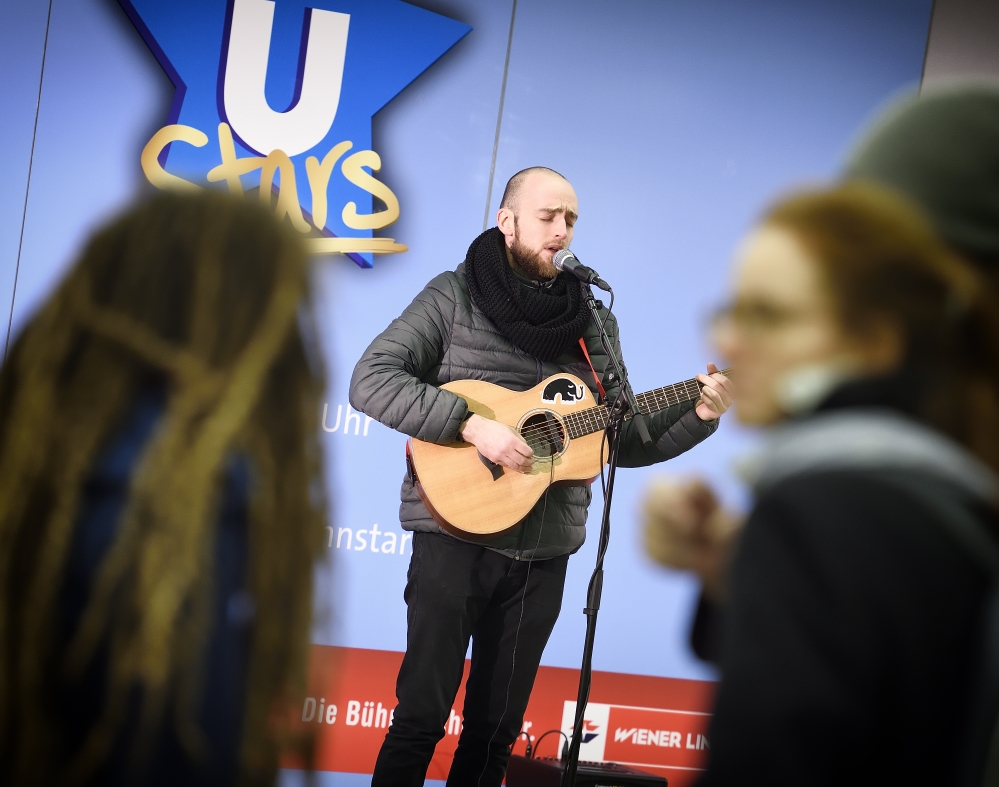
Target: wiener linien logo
point(278, 95)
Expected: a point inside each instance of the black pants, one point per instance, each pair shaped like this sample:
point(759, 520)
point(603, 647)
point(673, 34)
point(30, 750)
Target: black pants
point(454, 591)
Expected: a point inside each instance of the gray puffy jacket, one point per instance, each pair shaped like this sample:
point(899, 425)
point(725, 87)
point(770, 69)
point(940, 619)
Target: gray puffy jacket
point(443, 336)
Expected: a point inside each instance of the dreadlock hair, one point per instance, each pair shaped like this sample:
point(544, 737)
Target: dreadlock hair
point(200, 294)
point(883, 265)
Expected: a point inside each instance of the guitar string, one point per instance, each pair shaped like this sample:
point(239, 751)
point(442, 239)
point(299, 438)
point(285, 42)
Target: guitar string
point(597, 417)
point(555, 433)
point(573, 419)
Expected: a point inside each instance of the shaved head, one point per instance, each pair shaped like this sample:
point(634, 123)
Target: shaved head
point(513, 186)
point(536, 218)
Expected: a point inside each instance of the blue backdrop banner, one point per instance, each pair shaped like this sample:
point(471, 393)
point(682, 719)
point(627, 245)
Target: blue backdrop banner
point(387, 131)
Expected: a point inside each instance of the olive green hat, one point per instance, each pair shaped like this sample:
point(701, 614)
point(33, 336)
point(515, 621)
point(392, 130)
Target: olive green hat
point(942, 151)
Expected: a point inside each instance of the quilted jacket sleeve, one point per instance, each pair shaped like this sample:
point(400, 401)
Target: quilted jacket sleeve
point(388, 382)
point(674, 430)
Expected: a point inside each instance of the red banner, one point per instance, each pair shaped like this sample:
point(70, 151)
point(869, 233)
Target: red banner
point(656, 724)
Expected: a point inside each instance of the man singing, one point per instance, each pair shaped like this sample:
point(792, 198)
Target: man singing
point(508, 317)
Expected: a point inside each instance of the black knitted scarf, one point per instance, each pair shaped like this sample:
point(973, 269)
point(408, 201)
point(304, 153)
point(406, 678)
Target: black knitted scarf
point(543, 322)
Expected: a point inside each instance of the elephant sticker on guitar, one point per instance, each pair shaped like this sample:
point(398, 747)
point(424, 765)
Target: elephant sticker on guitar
point(563, 389)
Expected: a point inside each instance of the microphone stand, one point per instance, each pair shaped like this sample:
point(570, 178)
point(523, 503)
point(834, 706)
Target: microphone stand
point(618, 413)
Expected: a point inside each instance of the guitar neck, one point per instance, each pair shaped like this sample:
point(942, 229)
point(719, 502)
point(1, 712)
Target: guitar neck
point(593, 419)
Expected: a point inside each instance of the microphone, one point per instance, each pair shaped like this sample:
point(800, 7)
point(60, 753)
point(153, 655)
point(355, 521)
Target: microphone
point(565, 260)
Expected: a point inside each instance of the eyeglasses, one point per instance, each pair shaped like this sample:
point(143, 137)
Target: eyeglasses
point(756, 318)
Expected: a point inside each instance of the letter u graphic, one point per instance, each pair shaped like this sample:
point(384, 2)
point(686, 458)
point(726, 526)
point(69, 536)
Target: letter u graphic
point(306, 123)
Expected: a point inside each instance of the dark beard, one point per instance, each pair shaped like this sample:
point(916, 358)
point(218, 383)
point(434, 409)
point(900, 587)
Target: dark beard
point(529, 261)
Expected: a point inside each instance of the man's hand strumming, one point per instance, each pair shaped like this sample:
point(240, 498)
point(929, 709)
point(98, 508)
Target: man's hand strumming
point(498, 443)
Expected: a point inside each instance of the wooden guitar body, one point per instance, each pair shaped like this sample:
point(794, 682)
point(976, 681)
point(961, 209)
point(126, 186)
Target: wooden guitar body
point(474, 498)
point(470, 496)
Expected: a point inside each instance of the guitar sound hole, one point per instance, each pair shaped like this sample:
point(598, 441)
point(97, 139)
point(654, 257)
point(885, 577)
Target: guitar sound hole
point(544, 433)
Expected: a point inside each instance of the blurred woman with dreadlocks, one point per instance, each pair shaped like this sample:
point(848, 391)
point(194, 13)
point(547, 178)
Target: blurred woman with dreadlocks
point(159, 514)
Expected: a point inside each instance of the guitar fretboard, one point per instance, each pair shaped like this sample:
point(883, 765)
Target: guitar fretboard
point(594, 419)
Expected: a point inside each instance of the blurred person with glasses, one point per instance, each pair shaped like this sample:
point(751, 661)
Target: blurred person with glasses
point(938, 150)
point(869, 353)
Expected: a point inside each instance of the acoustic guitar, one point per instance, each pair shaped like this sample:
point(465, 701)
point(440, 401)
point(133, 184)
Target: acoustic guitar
point(470, 496)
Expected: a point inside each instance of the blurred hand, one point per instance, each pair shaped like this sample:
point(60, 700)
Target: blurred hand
point(498, 443)
point(685, 528)
point(716, 394)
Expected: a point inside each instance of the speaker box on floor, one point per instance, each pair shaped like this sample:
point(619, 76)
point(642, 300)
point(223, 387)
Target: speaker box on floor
point(547, 772)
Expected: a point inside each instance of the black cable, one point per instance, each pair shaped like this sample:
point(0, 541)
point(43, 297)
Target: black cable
point(529, 749)
point(544, 735)
point(615, 427)
point(610, 406)
point(610, 308)
point(593, 593)
point(601, 551)
point(603, 477)
point(520, 620)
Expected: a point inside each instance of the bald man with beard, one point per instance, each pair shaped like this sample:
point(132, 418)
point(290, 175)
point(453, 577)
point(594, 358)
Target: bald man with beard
point(505, 316)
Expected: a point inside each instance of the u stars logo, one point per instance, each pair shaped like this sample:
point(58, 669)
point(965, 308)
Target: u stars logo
point(287, 88)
